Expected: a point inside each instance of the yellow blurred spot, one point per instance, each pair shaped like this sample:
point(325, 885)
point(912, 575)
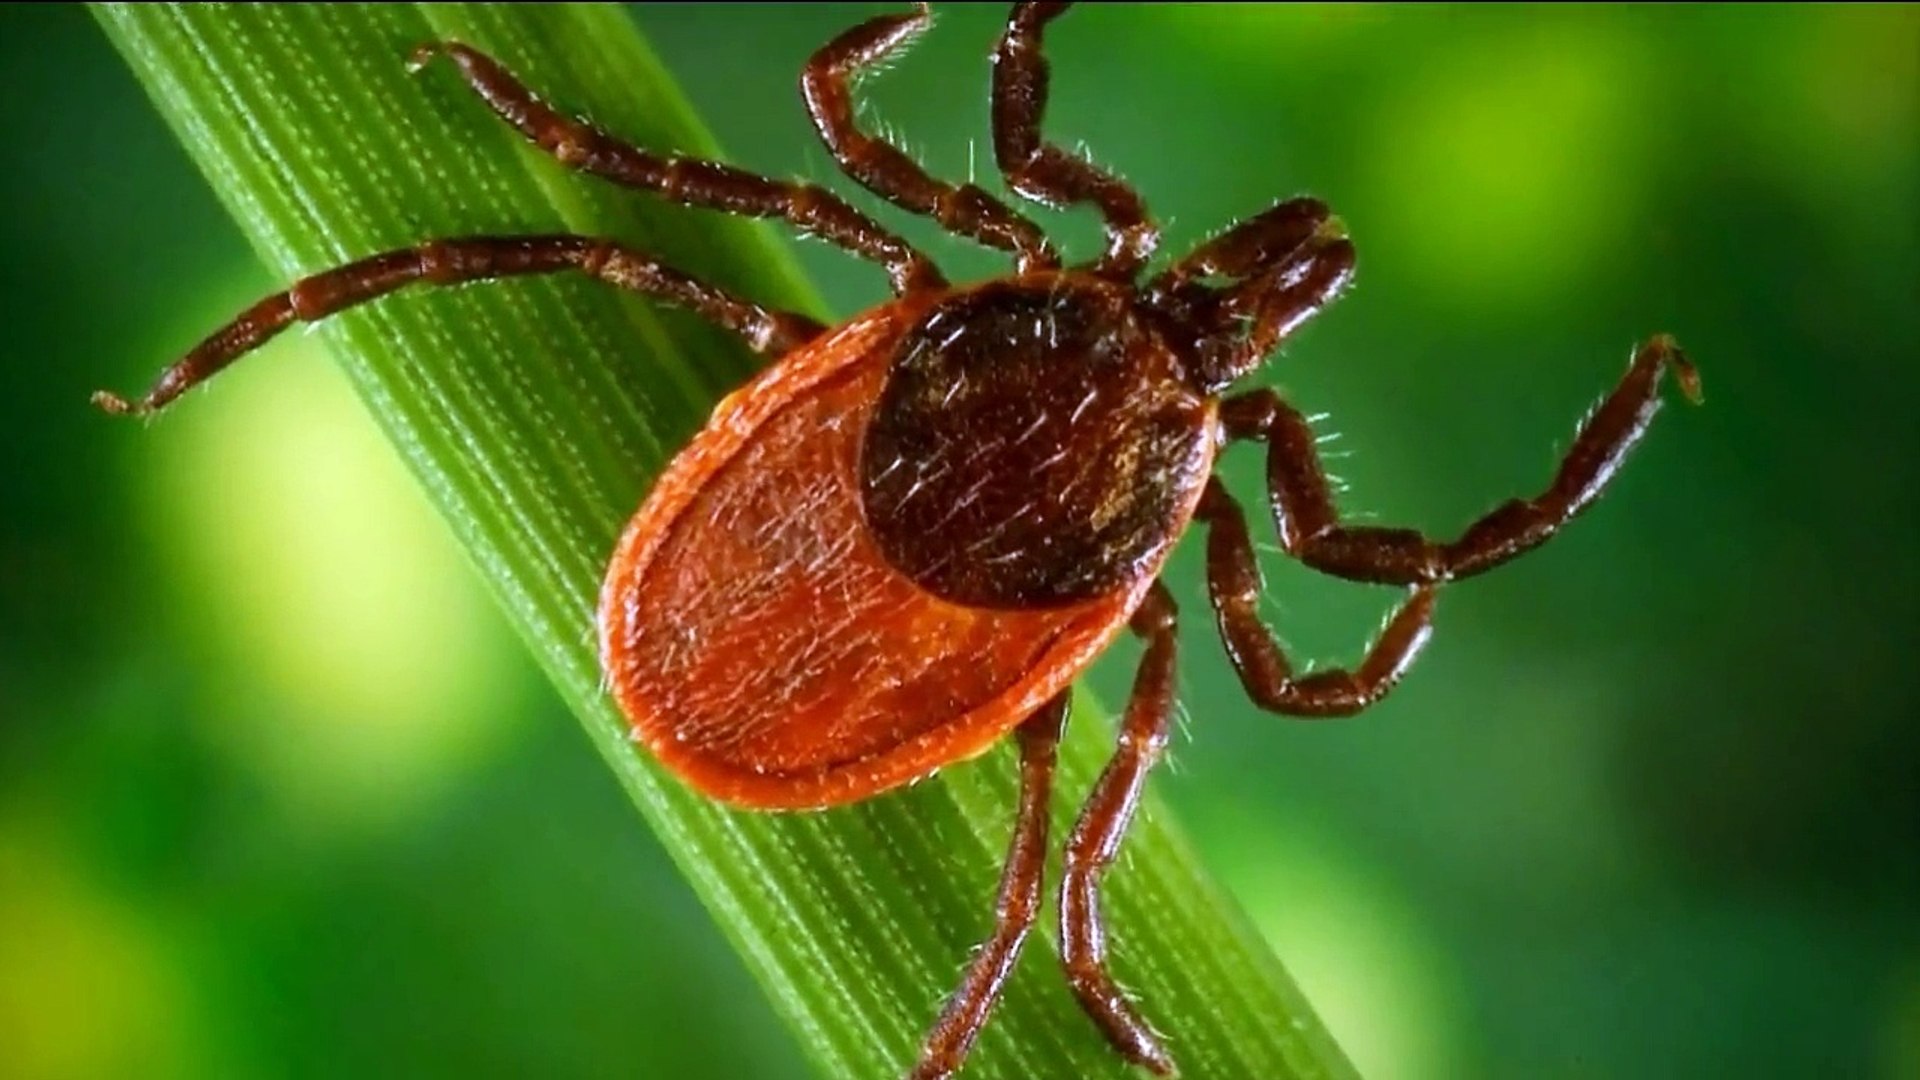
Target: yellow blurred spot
point(1276, 33)
point(1509, 163)
point(1365, 961)
point(85, 989)
point(361, 665)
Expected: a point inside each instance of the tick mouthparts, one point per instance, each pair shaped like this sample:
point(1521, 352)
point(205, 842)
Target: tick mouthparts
point(1304, 258)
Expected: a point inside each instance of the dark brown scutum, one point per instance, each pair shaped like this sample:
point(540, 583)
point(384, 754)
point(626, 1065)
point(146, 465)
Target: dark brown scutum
point(449, 262)
point(1015, 905)
point(1310, 528)
point(688, 181)
point(1102, 824)
point(964, 209)
point(1035, 445)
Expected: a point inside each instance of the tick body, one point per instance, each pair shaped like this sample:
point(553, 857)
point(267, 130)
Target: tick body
point(908, 536)
point(896, 544)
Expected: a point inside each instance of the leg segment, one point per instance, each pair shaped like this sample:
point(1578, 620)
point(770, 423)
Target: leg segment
point(1099, 830)
point(690, 181)
point(1042, 171)
point(1233, 583)
point(883, 169)
point(1310, 527)
point(1014, 908)
point(449, 262)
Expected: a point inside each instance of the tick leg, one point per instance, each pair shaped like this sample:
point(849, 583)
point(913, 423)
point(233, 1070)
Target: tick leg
point(1014, 908)
point(1099, 830)
point(1310, 527)
point(1042, 171)
point(449, 262)
point(689, 181)
point(882, 169)
point(1233, 585)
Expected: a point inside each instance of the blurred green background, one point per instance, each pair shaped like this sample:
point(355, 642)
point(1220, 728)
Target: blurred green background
point(279, 795)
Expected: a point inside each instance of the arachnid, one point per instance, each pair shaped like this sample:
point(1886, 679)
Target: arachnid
point(909, 535)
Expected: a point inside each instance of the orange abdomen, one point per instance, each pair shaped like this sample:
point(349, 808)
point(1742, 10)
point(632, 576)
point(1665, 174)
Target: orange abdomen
point(764, 649)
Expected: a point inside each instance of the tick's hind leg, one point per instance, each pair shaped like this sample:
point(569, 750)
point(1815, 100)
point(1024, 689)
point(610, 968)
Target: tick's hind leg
point(1099, 830)
point(1014, 908)
point(1042, 171)
point(882, 169)
point(1310, 527)
point(449, 262)
point(1233, 585)
point(689, 181)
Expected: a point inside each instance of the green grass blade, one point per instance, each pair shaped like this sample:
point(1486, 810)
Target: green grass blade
point(535, 412)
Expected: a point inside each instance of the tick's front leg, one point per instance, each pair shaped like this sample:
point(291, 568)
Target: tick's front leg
point(1310, 527)
point(1040, 170)
point(964, 209)
point(1233, 584)
point(689, 181)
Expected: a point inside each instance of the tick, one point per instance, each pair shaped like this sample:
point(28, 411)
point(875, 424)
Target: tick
point(910, 534)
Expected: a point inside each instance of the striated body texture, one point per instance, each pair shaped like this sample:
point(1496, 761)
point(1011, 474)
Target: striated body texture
point(764, 643)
